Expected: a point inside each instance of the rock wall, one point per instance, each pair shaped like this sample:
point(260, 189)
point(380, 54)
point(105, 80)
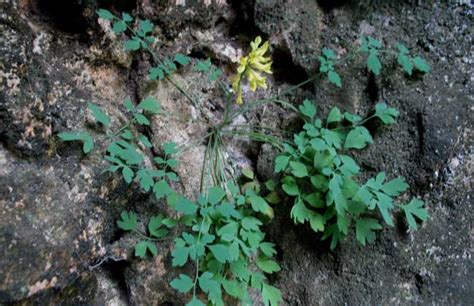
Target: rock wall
point(59, 243)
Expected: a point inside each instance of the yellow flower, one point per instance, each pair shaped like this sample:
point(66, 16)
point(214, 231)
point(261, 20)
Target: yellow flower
point(250, 68)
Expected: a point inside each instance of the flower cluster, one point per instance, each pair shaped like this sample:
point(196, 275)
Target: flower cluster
point(250, 66)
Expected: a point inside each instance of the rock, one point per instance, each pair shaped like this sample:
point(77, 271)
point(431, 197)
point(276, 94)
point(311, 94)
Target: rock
point(294, 26)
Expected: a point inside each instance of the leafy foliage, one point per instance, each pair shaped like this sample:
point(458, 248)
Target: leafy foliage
point(222, 229)
point(372, 46)
point(409, 63)
point(327, 66)
point(224, 236)
point(321, 178)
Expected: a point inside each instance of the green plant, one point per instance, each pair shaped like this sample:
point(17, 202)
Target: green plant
point(321, 178)
point(220, 231)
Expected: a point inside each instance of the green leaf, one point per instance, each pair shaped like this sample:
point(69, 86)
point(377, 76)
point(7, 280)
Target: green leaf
point(260, 205)
point(119, 27)
point(299, 212)
point(203, 66)
point(170, 148)
point(281, 162)
point(402, 49)
point(145, 26)
point(128, 221)
point(128, 104)
point(316, 221)
point(385, 113)
point(220, 252)
point(349, 166)
point(99, 114)
point(329, 54)
point(415, 209)
point(334, 78)
point(289, 186)
point(373, 63)
point(71, 136)
point(271, 296)
point(248, 173)
point(214, 74)
point(180, 256)
point(308, 109)
point(154, 227)
point(186, 206)
point(358, 138)
point(395, 187)
point(161, 189)
point(215, 195)
point(268, 248)
point(127, 174)
point(334, 115)
point(406, 63)
point(150, 104)
point(332, 138)
point(126, 17)
point(267, 265)
point(105, 14)
point(421, 64)
point(142, 247)
point(232, 288)
point(365, 230)
point(145, 141)
point(384, 203)
point(251, 223)
point(156, 73)
point(228, 232)
point(212, 287)
point(183, 284)
point(195, 302)
point(182, 59)
point(298, 169)
point(142, 120)
point(132, 44)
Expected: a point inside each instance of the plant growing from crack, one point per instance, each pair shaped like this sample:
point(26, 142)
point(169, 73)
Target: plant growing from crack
point(222, 233)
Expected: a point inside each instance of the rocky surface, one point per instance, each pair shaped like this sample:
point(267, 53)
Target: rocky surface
point(59, 243)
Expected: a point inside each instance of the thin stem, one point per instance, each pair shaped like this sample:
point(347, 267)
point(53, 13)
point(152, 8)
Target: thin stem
point(149, 238)
point(257, 103)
